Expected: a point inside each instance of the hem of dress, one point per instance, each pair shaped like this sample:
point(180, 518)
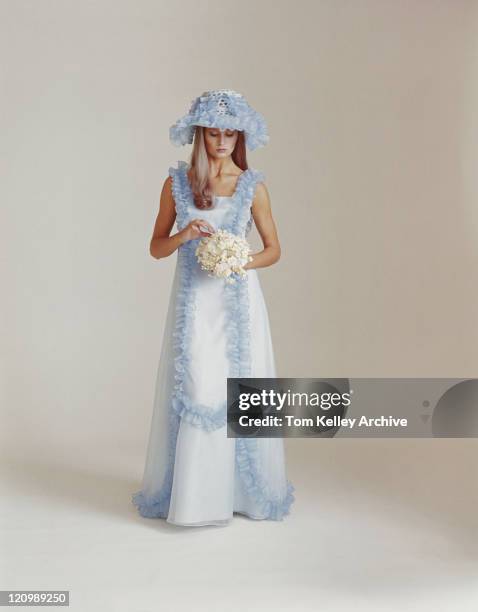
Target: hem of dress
point(252, 516)
point(217, 523)
point(212, 523)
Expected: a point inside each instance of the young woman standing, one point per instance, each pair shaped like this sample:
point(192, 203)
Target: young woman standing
point(194, 474)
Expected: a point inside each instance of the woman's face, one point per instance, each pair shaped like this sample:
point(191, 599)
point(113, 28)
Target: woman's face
point(220, 143)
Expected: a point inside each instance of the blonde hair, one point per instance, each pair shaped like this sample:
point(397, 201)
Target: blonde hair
point(199, 178)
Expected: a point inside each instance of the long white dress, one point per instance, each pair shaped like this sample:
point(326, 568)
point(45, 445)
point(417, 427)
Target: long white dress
point(194, 474)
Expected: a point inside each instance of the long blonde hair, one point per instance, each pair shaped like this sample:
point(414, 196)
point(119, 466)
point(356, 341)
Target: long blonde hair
point(202, 191)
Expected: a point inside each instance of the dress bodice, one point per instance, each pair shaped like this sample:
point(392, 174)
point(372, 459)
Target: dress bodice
point(219, 214)
point(232, 213)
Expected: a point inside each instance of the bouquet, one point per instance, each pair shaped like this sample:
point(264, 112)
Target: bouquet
point(223, 255)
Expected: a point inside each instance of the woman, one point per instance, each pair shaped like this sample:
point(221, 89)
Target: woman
point(194, 474)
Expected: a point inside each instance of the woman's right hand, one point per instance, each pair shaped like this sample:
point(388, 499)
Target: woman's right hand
point(193, 230)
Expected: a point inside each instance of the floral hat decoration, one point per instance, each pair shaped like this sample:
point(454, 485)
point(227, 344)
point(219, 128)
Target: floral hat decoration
point(222, 109)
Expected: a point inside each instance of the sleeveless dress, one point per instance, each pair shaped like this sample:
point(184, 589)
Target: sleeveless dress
point(194, 474)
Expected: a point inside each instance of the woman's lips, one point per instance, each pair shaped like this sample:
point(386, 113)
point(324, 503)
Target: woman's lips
point(221, 150)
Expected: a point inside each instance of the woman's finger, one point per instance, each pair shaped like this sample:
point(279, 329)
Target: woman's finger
point(208, 225)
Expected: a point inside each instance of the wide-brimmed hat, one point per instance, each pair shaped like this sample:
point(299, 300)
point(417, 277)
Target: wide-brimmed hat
point(222, 109)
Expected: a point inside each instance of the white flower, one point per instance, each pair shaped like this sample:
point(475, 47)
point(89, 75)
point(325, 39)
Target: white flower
point(221, 254)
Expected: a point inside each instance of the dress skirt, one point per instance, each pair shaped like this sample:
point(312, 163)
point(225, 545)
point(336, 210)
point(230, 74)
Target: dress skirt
point(206, 486)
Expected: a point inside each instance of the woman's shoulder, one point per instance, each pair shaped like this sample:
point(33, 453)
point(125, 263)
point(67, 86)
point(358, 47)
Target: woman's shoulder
point(257, 175)
point(258, 179)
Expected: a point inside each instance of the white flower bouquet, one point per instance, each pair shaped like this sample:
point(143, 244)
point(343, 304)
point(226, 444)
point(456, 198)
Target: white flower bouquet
point(223, 255)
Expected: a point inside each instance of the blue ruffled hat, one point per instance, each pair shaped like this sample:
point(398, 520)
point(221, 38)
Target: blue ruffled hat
point(223, 109)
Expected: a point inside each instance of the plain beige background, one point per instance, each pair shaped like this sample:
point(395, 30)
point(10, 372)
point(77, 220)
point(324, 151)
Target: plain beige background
point(371, 168)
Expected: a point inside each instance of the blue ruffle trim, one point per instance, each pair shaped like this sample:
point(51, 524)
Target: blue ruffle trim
point(236, 295)
point(270, 507)
point(195, 414)
point(199, 414)
point(157, 505)
point(236, 298)
point(241, 221)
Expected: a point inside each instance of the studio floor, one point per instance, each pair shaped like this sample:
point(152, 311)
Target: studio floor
point(382, 525)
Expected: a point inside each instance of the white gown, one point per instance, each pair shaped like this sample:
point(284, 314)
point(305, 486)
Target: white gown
point(194, 474)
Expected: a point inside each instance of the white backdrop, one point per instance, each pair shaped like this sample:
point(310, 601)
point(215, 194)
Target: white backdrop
point(371, 169)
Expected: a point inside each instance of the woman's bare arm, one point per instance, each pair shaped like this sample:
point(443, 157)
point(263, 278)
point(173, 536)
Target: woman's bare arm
point(162, 244)
point(262, 213)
